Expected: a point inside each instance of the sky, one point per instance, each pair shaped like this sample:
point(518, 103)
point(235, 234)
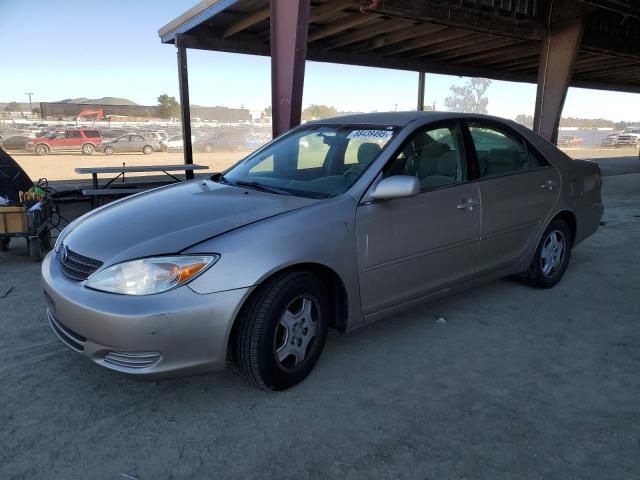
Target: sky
point(98, 48)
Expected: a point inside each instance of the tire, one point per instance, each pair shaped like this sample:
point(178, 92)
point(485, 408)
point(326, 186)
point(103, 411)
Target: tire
point(109, 151)
point(266, 349)
point(42, 149)
point(209, 148)
point(4, 244)
point(147, 149)
point(549, 264)
point(35, 248)
point(88, 149)
point(165, 148)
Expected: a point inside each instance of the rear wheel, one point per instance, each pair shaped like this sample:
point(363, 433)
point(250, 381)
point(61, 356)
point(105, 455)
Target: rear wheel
point(42, 149)
point(88, 149)
point(282, 331)
point(147, 149)
point(552, 256)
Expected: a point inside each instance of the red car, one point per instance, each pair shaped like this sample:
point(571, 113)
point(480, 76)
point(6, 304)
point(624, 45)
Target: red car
point(81, 139)
point(569, 141)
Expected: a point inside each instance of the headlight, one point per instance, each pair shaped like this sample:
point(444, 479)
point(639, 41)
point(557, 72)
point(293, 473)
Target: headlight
point(150, 275)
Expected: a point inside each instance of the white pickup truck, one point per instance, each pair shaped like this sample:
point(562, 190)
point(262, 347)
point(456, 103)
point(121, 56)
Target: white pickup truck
point(629, 138)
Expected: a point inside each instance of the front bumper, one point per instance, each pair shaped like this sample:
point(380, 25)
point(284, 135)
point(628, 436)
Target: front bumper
point(176, 333)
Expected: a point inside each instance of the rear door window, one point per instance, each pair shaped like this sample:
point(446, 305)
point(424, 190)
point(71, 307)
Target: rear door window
point(499, 151)
point(91, 133)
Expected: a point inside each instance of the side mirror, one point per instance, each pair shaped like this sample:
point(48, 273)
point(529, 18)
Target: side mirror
point(397, 186)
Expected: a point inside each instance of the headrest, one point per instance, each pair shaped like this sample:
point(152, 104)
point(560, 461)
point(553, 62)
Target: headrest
point(367, 152)
point(435, 149)
point(504, 156)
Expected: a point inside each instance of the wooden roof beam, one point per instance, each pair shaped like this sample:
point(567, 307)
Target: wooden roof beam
point(332, 29)
point(397, 37)
point(422, 42)
point(450, 50)
point(387, 26)
point(247, 21)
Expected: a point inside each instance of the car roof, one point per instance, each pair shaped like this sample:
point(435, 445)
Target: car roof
point(398, 119)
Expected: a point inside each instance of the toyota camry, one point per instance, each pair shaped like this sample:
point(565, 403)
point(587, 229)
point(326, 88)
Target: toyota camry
point(335, 224)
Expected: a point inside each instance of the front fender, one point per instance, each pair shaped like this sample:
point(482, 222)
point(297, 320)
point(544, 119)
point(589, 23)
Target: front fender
point(322, 234)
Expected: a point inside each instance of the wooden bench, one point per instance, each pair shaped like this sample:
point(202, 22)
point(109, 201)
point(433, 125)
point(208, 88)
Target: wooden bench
point(96, 192)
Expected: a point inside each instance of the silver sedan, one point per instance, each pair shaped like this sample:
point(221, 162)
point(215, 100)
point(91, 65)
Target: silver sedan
point(335, 224)
point(129, 143)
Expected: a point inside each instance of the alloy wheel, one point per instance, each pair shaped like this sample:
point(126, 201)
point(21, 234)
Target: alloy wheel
point(552, 253)
point(296, 332)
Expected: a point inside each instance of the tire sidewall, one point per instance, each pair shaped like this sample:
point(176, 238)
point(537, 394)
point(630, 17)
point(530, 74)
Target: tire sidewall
point(535, 274)
point(269, 314)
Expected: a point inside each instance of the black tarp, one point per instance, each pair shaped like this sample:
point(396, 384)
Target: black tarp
point(12, 177)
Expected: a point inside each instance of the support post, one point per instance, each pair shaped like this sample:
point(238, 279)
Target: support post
point(185, 108)
point(421, 80)
point(289, 27)
point(559, 49)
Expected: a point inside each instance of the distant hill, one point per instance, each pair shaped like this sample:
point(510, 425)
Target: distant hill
point(99, 101)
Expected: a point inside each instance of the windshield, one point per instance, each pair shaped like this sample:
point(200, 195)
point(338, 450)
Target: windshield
point(317, 161)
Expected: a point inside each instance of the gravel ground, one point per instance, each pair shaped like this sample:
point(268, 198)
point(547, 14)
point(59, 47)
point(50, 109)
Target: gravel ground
point(517, 384)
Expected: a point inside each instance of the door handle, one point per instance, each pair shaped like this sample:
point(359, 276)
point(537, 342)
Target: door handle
point(468, 204)
point(548, 185)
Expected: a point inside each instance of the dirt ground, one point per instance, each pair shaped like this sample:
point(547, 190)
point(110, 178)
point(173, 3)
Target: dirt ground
point(517, 384)
point(61, 166)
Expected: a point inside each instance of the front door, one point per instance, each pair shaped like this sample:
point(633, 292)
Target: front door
point(518, 190)
point(413, 246)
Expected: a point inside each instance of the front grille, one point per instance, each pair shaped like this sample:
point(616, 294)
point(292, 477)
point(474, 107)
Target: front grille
point(70, 338)
point(76, 266)
point(133, 359)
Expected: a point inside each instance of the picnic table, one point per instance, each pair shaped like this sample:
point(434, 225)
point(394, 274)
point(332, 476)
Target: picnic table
point(104, 190)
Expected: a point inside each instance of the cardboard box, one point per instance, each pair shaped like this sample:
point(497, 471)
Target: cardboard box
point(13, 220)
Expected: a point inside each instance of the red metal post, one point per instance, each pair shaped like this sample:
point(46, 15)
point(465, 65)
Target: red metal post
point(558, 55)
point(289, 25)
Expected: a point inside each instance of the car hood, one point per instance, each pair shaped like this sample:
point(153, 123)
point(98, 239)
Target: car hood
point(170, 219)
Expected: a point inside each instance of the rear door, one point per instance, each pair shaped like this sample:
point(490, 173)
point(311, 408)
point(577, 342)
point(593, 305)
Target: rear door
point(518, 189)
point(410, 247)
point(74, 140)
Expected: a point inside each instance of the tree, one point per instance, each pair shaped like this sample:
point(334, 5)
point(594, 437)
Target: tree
point(469, 98)
point(12, 107)
point(168, 107)
point(315, 112)
point(268, 112)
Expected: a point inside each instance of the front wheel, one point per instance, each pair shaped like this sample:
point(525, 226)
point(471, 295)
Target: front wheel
point(552, 256)
point(147, 149)
point(109, 151)
point(88, 149)
point(282, 331)
point(42, 149)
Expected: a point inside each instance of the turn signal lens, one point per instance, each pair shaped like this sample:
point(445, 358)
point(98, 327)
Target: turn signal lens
point(150, 275)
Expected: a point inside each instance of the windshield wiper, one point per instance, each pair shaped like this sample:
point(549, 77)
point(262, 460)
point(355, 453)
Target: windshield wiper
point(261, 186)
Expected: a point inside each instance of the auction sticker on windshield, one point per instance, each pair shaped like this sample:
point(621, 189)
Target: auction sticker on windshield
point(371, 134)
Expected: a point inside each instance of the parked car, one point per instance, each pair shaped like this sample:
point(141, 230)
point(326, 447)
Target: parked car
point(129, 143)
point(569, 141)
point(257, 264)
point(221, 141)
point(610, 140)
point(15, 142)
point(174, 143)
point(81, 139)
point(629, 138)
